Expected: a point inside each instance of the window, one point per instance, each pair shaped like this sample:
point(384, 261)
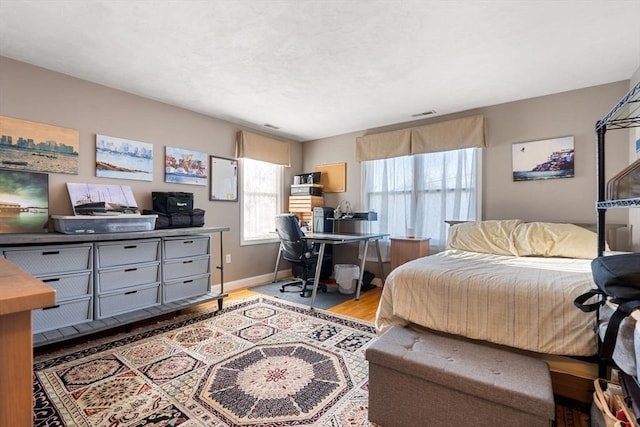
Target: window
point(261, 187)
point(422, 191)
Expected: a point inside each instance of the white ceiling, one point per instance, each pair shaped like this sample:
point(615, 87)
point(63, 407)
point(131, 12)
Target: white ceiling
point(318, 68)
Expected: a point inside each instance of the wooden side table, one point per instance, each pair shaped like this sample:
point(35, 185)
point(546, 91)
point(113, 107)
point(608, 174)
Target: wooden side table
point(405, 249)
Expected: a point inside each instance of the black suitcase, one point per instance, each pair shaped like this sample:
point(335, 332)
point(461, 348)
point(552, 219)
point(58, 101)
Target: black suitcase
point(172, 202)
point(178, 219)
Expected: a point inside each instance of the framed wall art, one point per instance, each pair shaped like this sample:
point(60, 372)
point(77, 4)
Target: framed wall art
point(185, 166)
point(224, 179)
point(24, 201)
point(123, 158)
point(544, 159)
point(38, 147)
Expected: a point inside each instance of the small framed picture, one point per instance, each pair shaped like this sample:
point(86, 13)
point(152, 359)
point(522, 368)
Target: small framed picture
point(185, 166)
point(544, 159)
point(123, 158)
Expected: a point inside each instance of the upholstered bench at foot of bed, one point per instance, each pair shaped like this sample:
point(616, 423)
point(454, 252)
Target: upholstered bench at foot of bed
point(423, 378)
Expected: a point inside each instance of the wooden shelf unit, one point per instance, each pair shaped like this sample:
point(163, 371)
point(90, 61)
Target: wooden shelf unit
point(302, 207)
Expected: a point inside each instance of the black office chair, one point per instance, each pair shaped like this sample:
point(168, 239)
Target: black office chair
point(299, 252)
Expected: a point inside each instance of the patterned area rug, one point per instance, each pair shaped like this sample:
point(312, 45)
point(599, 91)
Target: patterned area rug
point(258, 361)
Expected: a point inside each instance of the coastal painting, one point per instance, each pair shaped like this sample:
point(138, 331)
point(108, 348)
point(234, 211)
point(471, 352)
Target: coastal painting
point(185, 167)
point(93, 199)
point(544, 159)
point(24, 201)
point(38, 147)
point(123, 158)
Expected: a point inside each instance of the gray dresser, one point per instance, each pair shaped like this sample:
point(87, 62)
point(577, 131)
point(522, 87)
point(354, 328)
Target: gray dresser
point(107, 280)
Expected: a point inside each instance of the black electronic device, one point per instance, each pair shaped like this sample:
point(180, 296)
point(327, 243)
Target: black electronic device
point(323, 224)
point(321, 219)
point(306, 190)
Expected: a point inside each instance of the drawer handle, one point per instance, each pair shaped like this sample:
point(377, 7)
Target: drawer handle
point(51, 253)
point(130, 292)
point(187, 262)
point(57, 279)
point(187, 242)
point(131, 247)
point(52, 307)
point(188, 281)
point(129, 269)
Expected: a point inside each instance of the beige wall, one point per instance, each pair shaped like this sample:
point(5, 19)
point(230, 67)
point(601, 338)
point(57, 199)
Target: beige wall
point(570, 113)
point(32, 93)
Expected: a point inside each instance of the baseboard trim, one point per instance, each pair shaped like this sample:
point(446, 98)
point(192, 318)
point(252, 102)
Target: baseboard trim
point(250, 282)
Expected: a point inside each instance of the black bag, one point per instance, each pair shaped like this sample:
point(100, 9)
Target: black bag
point(178, 219)
point(172, 202)
point(617, 277)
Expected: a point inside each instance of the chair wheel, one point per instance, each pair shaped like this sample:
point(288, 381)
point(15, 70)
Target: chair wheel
point(302, 294)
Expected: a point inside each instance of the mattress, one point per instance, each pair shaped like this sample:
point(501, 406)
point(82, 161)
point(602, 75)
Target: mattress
point(520, 302)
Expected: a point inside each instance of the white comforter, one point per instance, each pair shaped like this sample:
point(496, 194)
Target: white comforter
point(522, 302)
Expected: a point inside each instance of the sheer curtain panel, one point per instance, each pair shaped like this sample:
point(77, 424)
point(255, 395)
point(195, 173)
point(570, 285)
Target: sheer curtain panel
point(422, 191)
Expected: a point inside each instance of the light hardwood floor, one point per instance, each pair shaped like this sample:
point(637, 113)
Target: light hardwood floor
point(363, 309)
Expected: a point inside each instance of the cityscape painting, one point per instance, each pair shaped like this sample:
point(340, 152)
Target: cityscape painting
point(39, 147)
point(185, 166)
point(24, 201)
point(123, 158)
point(544, 159)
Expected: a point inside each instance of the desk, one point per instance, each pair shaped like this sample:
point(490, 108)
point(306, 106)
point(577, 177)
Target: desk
point(19, 294)
point(324, 239)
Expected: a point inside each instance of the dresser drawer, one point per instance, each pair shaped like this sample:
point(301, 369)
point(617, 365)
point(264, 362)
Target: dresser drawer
point(128, 276)
point(127, 252)
point(68, 313)
point(70, 285)
point(186, 288)
point(51, 259)
point(131, 300)
point(186, 247)
point(186, 267)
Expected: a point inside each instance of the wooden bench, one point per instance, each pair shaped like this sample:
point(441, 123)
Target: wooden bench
point(418, 377)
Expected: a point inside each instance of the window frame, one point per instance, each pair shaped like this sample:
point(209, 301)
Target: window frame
point(279, 197)
point(413, 194)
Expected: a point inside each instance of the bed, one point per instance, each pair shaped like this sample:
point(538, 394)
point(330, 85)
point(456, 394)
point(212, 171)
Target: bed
point(509, 282)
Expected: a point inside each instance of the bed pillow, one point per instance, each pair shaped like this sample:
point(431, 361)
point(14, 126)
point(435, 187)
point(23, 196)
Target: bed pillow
point(489, 237)
point(546, 239)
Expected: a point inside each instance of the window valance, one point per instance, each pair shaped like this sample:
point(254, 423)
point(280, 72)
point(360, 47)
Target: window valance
point(258, 147)
point(454, 134)
point(383, 145)
point(466, 132)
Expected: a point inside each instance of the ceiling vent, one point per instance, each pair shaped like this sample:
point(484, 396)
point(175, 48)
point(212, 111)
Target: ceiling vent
point(426, 113)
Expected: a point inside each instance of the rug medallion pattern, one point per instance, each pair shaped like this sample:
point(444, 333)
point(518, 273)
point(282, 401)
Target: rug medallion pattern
point(260, 361)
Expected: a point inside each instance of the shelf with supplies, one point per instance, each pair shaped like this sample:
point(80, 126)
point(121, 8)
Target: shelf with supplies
point(620, 192)
point(306, 190)
point(302, 207)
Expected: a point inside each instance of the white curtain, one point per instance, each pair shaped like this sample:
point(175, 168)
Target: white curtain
point(423, 191)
